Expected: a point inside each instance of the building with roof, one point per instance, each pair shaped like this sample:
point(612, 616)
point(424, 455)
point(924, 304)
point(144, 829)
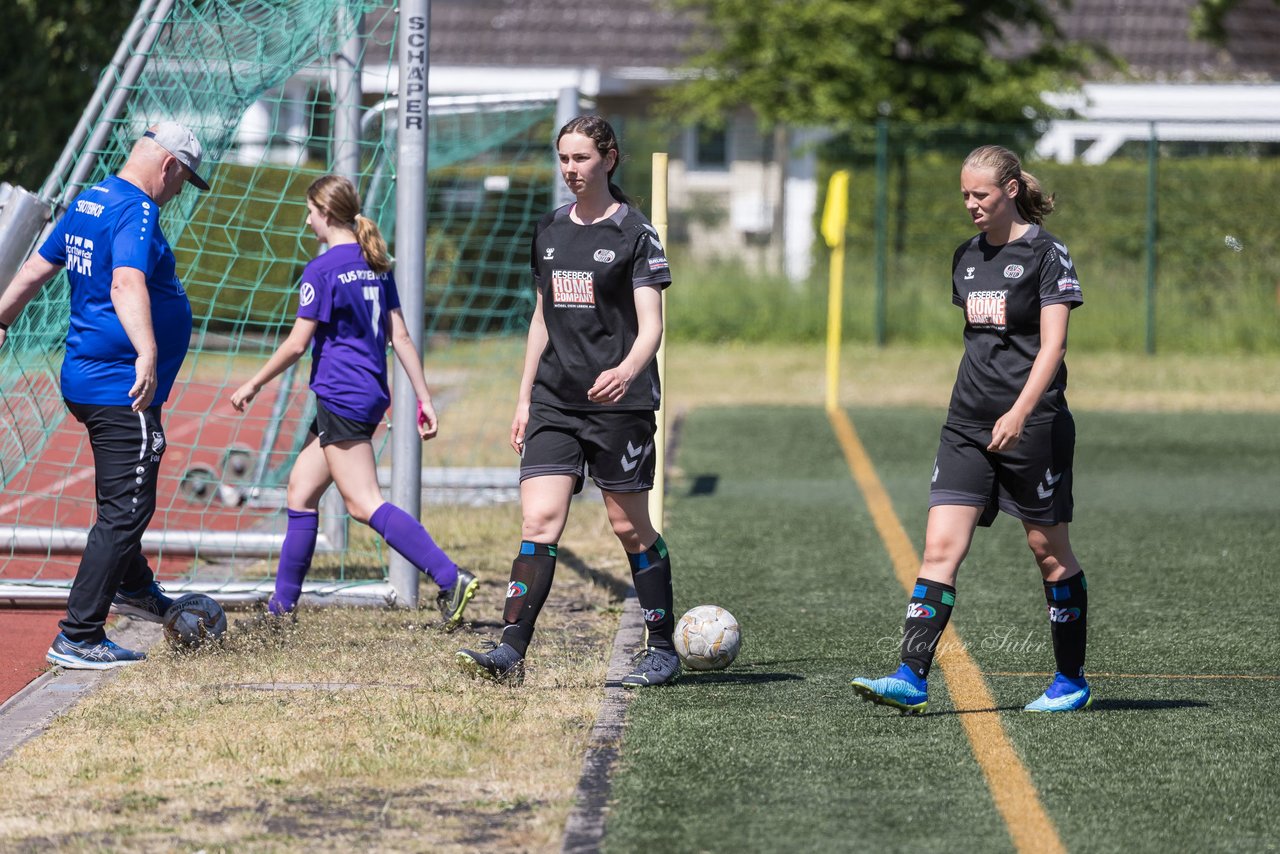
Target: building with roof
point(737, 191)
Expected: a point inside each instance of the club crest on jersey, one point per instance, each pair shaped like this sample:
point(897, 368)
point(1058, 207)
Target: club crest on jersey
point(986, 309)
point(573, 288)
point(604, 256)
point(1013, 271)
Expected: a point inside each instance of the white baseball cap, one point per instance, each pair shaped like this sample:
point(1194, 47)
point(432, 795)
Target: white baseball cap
point(178, 140)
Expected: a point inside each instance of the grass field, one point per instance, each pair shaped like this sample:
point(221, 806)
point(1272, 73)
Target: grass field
point(1175, 526)
point(380, 746)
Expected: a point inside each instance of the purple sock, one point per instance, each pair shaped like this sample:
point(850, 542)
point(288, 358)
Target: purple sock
point(407, 536)
point(295, 559)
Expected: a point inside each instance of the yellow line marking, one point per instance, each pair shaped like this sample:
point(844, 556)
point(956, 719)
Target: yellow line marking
point(1092, 673)
point(1015, 796)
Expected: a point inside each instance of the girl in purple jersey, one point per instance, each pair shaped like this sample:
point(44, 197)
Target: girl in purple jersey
point(1009, 438)
point(348, 312)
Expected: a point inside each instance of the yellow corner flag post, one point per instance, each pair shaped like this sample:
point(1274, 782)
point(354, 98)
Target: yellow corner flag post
point(658, 216)
point(835, 216)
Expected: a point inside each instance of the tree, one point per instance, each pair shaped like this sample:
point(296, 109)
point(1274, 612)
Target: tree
point(1209, 19)
point(51, 55)
point(843, 62)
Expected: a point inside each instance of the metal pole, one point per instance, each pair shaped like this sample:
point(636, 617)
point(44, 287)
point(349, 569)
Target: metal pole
point(882, 224)
point(348, 97)
point(27, 539)
point(410, 251)
point(348, 100)
point(566, 110)
point(21, 219)
point(659, 218)
point(1153, 153)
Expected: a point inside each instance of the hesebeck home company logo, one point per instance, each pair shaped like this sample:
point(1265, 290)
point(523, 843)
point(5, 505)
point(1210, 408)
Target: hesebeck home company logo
point(573, 288)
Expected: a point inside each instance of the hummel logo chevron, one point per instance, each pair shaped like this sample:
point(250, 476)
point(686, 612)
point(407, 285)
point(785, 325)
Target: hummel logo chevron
point(1046, 489)
point(632, 457)
point(1067, 263)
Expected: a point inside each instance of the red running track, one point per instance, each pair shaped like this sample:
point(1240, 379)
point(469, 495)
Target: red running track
point(57, 489)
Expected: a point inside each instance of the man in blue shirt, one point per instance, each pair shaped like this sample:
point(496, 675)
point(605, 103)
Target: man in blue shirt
point(129, 332)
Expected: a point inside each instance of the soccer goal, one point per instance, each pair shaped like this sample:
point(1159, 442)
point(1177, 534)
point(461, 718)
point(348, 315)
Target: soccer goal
point(279, 92)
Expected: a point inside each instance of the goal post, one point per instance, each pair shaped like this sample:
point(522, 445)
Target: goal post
point(268, 88)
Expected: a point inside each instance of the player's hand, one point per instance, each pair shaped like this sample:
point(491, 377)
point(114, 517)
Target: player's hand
point(428, 426)
point(518, 425)
point(4, 336)
point(243, 396)
point(144, 385)
point(1007, 432)
point(610, 386)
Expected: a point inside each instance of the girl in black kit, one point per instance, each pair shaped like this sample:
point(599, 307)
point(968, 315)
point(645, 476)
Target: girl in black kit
point(587, 400)
point(1008, 440)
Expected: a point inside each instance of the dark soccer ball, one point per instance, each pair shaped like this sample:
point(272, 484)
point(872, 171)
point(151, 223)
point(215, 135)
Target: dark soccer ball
point(194, 619)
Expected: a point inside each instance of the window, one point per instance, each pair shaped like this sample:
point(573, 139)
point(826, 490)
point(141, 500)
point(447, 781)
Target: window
point(708, 148)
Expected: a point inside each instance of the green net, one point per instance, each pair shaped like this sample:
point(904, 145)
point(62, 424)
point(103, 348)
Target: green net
point(255, 82)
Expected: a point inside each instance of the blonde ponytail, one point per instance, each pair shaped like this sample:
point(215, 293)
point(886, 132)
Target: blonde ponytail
point(337, 197)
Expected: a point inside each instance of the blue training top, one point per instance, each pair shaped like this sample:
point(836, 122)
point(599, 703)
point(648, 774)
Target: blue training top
point(351, 305)
point(115, 224)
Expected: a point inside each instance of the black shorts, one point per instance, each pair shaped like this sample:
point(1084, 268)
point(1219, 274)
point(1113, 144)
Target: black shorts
point(617, 447)
point(1032, 482)
point(332, 428)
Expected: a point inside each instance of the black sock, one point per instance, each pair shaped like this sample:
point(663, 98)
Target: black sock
point(651, 574)
point(531, 576)
point(1068, 612)
point(927, 614)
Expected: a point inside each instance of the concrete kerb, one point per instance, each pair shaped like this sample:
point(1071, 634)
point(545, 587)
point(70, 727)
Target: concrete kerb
point(30, 711)
point(584, 829)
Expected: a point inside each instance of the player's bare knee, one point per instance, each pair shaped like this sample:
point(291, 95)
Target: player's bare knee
point(539, 529)
point(629, 537)
point(362, 510)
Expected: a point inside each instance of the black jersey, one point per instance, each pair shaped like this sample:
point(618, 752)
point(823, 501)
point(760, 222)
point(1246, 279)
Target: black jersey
point(587, 275)
point(1002, 289)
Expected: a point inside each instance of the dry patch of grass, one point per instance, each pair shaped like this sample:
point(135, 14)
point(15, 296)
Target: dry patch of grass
point(351, 729)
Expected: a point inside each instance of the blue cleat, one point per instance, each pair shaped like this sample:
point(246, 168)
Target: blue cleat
point(103, 655)
point(902, 690)
point(1063, 695)
point(149, 603)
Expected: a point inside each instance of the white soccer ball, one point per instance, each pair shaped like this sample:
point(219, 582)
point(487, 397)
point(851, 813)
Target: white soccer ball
point(707, 638)
point(194, 619)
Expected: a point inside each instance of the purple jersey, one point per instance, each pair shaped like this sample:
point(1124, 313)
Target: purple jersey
point(351, 305)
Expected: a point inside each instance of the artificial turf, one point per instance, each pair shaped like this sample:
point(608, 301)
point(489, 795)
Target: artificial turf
point(1175, 526)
